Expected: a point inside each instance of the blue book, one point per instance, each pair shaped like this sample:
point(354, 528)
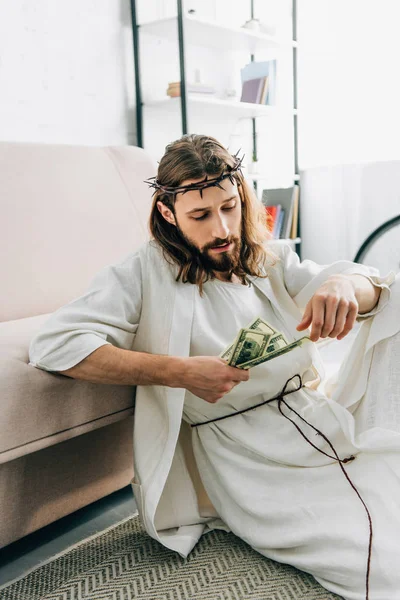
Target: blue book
point(257, 70)
point(279, 225)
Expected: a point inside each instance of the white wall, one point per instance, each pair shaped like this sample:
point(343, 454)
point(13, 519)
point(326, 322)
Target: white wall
point(349, 96)
point(342, 204)
point(349, 123)
point(66, 72)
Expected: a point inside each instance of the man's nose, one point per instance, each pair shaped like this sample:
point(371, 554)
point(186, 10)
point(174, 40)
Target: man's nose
point(220, 228)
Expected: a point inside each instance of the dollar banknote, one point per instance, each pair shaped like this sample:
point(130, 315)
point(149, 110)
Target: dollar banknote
point(269, 356)
point(257, 324)
point(275, 343)
point(249, 345)
point(256, 344)
point(261, 325)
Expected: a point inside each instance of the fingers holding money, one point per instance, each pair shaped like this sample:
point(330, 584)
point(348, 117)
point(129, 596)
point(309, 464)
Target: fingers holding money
point(210, 377)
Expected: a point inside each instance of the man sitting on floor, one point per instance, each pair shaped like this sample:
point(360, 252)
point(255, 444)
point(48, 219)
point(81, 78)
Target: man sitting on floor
point(217, 445)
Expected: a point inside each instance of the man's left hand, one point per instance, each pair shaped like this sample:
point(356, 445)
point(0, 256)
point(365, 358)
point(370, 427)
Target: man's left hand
point(333, 309)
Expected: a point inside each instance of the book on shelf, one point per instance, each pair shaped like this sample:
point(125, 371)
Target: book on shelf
point(295, 219)
point(275, 216)
point(174, 89)
point(271, 216)
point(285, 200)
point(252, 90)
point(260, 78)
point(277, 233)
point(264, 91)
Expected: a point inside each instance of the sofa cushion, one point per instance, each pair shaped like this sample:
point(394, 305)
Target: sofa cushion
point(41, 408)
point(66, 212)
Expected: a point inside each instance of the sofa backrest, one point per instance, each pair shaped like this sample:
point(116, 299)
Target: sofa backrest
point(66, 212)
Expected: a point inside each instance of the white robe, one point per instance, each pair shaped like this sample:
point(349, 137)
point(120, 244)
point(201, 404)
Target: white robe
point(272, 488)
point(137, 305)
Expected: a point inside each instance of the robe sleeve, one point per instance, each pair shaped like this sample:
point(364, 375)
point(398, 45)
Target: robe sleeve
point(107, 313)
point(383, 283)
point(302, 279)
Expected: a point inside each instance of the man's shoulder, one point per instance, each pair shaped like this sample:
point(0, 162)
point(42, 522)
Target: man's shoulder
point(148, 256)
point(149, 250)
point(275, 254)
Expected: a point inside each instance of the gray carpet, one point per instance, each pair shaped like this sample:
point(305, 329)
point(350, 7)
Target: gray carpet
point(123, 562)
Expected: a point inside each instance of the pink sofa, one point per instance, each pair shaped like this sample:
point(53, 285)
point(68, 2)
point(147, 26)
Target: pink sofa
point(67, 212)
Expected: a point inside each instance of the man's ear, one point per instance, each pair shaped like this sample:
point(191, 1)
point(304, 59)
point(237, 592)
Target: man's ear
point(166, 213)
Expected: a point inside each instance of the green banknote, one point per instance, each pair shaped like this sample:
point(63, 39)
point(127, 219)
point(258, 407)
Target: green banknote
point(275, 343)
point(269, 356)
point(257, 324)
point(256, 344)
point(261, 325)
point(227, 353)
point(250, 344)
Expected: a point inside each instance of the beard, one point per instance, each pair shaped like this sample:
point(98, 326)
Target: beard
point(222, 262)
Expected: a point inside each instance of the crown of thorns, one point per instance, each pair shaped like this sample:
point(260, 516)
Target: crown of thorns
point(200, 185)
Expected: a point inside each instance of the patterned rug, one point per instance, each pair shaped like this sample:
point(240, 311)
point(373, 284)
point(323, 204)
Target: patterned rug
point(123, 562)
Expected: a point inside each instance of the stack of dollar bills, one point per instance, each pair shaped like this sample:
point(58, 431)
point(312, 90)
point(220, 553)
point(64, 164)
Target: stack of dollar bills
point(257, 343)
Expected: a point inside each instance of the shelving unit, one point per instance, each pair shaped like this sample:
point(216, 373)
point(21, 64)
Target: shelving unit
point(244, 109)
point(218, 36)
point(187, 29)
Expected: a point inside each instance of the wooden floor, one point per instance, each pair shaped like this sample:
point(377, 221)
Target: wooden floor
point(23, 555)
point(29, 552)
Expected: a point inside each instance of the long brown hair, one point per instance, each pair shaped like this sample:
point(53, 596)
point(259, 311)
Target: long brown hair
point(194, 157)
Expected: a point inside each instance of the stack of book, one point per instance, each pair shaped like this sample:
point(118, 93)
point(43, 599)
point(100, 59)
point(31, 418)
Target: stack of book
point(259, 82)
point(174, 89)
point(282, 210)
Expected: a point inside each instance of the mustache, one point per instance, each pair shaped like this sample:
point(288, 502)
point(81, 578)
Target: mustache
point(218, 243)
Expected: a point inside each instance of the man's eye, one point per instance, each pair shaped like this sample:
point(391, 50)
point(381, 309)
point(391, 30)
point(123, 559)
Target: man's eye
point(206, 214)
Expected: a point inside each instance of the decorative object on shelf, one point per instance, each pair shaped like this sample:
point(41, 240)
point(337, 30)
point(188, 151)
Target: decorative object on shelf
point(197, 87)
point(230, 93)
point(259, 82)
point(174, 89)
point(257, 25)
point(253, 24)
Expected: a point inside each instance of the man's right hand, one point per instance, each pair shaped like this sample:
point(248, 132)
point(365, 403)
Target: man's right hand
point(210, 377)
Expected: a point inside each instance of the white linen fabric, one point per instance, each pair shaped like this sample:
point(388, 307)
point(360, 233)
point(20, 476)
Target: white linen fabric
point(271, 487)
point(137, 304)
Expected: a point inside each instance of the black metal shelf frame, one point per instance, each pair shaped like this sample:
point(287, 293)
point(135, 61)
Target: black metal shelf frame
point(295, 122)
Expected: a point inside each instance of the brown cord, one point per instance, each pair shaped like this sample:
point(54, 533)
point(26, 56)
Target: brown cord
point(280, 399)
